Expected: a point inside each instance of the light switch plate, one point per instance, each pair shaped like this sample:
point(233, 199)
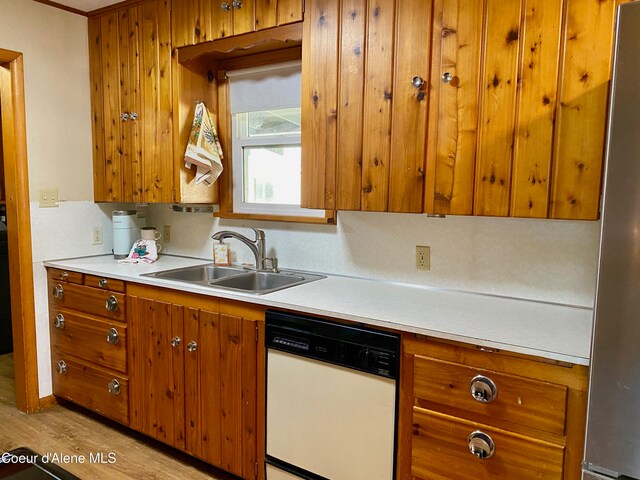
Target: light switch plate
point(48, 197)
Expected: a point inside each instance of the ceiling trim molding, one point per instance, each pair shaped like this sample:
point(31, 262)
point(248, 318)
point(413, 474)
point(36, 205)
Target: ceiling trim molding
point(63, 7)
point(114, 7)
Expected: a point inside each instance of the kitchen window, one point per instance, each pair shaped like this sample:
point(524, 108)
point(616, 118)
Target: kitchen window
point(265, 138)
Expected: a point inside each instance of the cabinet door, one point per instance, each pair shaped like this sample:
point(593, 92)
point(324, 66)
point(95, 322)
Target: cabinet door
point(157, 369)
point(220, 371)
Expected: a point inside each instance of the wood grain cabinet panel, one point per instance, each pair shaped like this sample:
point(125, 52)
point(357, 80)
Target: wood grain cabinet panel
point(90, 339)
point(535, 415)
point(199, 21)
point(519, 400)
point(94, 388)
point(441, 451)
point(194, 376)
point(88, 300)
point(130, 74)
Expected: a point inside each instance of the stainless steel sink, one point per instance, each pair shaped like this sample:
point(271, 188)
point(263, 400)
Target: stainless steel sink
point(199, 274)
point(236, 279)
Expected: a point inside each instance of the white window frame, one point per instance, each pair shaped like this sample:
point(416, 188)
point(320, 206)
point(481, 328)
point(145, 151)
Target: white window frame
point(241, 139)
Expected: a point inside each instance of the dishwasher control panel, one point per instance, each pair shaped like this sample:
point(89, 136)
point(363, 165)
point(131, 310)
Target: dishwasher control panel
point(349, 346)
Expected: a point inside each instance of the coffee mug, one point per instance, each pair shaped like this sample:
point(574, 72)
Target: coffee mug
point(150, 233)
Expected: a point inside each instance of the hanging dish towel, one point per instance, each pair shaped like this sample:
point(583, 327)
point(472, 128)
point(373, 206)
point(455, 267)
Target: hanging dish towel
point(143, 251)
point(203, 148)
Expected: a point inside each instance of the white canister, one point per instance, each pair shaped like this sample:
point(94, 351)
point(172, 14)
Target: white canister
point(125, 231)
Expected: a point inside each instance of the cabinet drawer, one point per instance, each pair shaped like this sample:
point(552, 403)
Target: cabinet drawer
point(527, 402)
point(90, 387)
point(104, 283)
point(97, 341)
point(440, 450)
point(88, 300)
point(56, 274)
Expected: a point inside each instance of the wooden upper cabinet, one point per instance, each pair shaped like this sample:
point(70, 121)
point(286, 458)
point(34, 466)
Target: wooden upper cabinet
point(518, 115)
point(510, 120)
point(198, 21)
point(130, 68)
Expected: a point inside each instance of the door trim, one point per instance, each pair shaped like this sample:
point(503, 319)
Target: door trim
point(14, 136)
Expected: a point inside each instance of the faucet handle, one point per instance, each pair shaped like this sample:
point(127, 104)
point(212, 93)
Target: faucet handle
point(274, 264)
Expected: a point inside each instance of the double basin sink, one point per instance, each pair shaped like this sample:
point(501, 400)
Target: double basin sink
point(237, 279)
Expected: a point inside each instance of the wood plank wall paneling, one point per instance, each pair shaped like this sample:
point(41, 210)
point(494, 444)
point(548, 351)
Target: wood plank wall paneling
point(266, 14)
point(582, 107)
point(112, 108)
point(537, 94)
point(410, 106)
point(497, 107)
point(289, 11)
point(455, 106)
point(97, 119)
point(350, 101)
point(378, 95)
point(319, 104)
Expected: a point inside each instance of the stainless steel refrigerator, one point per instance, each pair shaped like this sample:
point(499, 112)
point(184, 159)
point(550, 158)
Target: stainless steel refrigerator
point(613, 420)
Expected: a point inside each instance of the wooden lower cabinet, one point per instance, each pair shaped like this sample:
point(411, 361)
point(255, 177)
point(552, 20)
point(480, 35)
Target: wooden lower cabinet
point(523, 417)
point(196, 375)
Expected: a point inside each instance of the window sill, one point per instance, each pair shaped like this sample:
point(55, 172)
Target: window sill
point(328, 219)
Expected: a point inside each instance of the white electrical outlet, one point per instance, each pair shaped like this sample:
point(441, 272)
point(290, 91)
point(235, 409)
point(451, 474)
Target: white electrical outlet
point(96, 235)
point(423, 258)
point(166, 234)
point(48, 197)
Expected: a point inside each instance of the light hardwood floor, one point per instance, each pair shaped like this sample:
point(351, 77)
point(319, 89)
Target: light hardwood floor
point(73, 431)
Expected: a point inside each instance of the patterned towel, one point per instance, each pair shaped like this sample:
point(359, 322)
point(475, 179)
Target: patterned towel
point(203, 148)
point(143, 251)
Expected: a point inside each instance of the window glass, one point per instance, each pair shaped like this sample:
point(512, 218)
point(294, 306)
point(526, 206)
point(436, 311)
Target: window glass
point(272, 174)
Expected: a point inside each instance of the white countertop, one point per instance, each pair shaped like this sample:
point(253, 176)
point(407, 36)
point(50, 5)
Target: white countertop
point(557, 332)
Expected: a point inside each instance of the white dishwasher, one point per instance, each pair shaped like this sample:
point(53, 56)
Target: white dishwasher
point(331, 400)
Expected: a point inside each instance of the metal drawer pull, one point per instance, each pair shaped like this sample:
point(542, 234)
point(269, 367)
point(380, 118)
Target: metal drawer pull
point(483, 389)
point(64, 275)
point(225, 6)
point(58, 291)
point(175, 342)
point(112, 336)
point(102, 282)
point(192, 346)
point(481, 445)
point(61, 367)
point(111, 304)
point(58, 321)
point(114, 387)
point(447, 77)
point(417, 82)
point(237, 4)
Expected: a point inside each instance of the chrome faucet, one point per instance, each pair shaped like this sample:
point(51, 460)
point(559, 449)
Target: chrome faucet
point(257, 246)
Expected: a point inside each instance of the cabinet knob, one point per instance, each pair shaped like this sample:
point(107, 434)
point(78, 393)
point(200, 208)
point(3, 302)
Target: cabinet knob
point(417, 82)
point(64, 275)
point(58, 291)
point(225, 6)
point(192, 346)
point(175, 342)
point(447, 77)
point(483, 389)
point(481, 445)
point(237, 4)
point(58, 321)
point(114, 387)
point(133, 116)
point(113, 337)
point(124, 116)
point(61, 367)
point(111, 304)
point(103, 282)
